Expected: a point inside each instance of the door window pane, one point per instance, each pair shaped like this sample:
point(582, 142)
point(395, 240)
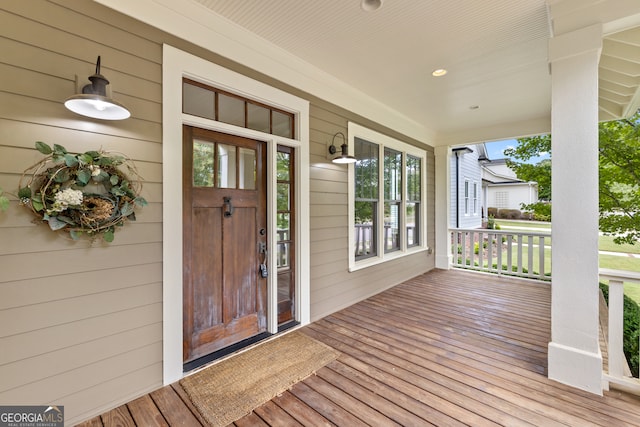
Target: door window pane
point(203, 155)
point(198, 101)
point(230, 110)
point(283, 196)
point(226, 166)
point(283, 160)
point(281, 124)
point(247, 167)
point(258, 118)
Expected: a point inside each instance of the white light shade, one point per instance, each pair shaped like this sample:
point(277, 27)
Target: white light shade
point(97, 106)
point(344, 160)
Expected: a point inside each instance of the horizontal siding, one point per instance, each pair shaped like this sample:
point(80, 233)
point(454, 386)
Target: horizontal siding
point(332, 285)
point(81, 323)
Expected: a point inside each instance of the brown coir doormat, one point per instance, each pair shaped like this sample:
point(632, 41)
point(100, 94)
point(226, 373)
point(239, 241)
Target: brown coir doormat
point(232, 388)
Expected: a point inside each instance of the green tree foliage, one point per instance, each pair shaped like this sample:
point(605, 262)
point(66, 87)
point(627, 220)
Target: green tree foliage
point(526, 149)
point(620, 179)
point(619, 172)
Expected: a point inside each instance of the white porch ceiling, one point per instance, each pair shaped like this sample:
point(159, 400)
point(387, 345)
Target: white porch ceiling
point(379, 63)
point(495, 52)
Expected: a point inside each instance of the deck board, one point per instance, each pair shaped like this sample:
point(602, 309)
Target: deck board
point(447, 348)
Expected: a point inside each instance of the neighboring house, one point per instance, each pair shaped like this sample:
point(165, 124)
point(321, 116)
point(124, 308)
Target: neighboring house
point(466, 186)
point(90, 326)
point(503, 190)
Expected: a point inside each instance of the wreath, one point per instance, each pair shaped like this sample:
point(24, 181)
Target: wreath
point(85, 194)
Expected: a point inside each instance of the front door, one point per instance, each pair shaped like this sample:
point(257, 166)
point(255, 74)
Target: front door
point(225, 237)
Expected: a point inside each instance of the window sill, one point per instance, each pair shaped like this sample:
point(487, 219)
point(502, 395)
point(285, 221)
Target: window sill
point(391, 256)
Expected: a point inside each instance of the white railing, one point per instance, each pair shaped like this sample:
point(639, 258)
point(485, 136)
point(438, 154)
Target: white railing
point(514, 253)
point(619, 373)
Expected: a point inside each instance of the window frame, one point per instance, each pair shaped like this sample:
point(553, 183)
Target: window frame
point(475, 198)
point(466, 196)
point(384, 141)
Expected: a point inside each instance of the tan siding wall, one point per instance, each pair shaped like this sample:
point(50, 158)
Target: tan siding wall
point(81, 325)
point(332, 286)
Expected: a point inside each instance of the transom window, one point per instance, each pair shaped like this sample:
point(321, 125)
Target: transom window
point(215, 104)
point(388, 189)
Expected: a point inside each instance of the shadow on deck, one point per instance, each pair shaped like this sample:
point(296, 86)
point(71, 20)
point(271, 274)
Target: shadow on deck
point(444, 348)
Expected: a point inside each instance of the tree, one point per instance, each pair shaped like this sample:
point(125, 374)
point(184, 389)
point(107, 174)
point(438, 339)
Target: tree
point(540, 172)
point(620, 179)
point(619, 174)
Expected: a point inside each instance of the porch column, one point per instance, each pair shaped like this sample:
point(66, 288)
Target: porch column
point(574, 352)
point(443, 204)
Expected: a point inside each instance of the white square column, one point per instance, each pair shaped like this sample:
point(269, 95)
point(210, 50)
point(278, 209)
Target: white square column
point(574, 352)
point(443, 204)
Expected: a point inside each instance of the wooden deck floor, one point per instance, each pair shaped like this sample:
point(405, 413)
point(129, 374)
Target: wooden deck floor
point(446, 348)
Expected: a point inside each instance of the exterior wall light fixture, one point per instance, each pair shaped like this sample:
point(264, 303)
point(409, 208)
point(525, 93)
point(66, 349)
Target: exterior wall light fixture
point(344, 157)
point(94, 102)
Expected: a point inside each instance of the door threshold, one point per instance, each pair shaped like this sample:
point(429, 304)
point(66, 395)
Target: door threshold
point(201, 361)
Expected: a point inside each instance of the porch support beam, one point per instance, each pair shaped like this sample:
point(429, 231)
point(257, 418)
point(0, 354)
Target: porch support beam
point(442, 215)
point(574, 352)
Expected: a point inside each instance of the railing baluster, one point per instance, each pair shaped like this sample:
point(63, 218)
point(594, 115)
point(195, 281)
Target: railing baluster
point(490, 238)
point(464, 249)
point(464, 242)
point(541, 274)
point(499, 252)
point(616, 316)
point(520, 241)
point(509, 254)
point(530, 255)
point(480, 250)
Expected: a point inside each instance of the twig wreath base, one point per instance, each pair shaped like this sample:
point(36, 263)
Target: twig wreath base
point(85, 194)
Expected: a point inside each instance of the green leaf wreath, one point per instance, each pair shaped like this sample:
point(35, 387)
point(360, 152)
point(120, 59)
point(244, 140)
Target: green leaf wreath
point(85, 194)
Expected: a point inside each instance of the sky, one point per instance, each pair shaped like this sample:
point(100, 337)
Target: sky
point(495, 150)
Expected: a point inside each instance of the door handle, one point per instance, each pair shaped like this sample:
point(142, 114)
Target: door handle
point(229, 207)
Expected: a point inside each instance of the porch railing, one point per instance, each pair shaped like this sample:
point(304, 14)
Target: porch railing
point(618, 371)
point(514, 253)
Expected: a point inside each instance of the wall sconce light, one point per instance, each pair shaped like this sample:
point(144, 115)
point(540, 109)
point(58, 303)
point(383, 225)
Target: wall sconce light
point(344, 157)
point(94, 102)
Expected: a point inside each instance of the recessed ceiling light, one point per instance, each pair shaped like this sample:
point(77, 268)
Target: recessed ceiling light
point(370, 5)
point(439, 72)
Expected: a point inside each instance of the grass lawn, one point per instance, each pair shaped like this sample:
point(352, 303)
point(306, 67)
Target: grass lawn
point(605, 243)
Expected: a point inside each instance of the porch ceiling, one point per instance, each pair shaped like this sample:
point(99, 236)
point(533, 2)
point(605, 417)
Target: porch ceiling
point(496, 55)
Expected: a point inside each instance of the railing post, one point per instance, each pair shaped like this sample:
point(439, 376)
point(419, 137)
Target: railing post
point(616, 318)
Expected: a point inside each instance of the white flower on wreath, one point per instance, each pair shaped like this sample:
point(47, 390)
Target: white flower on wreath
point(95, 170)
point(65, 198)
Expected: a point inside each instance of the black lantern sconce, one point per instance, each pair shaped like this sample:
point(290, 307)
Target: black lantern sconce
point(94, 102)
point(344, 157)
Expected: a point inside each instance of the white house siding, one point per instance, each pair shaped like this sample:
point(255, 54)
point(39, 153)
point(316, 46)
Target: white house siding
point(81, 326)
point(469, 169)
point(510, 196)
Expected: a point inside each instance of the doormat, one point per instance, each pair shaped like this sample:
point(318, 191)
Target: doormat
point(234, 387)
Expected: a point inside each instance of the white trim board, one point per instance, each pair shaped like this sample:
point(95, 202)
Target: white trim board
point(176, 65)
point(199, 25)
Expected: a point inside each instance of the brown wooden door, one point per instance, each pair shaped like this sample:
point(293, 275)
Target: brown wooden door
point(224, 210)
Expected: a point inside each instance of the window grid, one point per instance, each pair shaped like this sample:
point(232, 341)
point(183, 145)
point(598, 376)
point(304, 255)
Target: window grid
point(393, 205)
point(211, 103)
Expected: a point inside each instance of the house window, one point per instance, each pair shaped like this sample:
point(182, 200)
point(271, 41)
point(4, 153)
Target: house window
point(414, 193)
point(475, 198)
point(466, 196)
point(205, 101)
point(366, 198)
point(387, 217)
point(392, 198)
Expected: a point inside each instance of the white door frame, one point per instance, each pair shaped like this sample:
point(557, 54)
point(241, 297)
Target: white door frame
point(176, 65)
